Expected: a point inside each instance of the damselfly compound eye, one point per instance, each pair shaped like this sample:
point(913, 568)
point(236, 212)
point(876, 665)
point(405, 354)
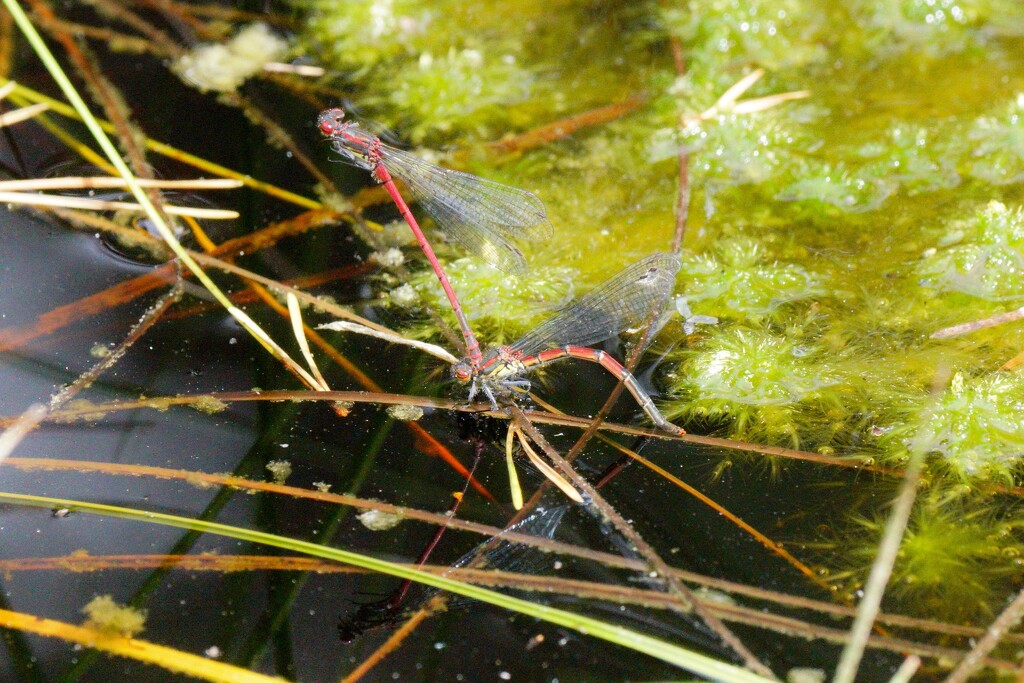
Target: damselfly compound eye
point(330, 121)
point(462, 372)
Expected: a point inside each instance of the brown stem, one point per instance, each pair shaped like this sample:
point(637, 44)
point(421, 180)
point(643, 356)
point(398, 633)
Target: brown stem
point(644, 549)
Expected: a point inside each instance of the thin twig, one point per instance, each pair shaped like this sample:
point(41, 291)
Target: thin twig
point(1006, 620)
point(563, 128)
point(87, 378)
point(991, 321)
point(577, 588)
point(644, 549)
point(881, 569)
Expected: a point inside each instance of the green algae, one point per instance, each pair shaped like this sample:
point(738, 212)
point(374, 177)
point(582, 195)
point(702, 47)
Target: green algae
point(822, 232)
point(974, 426)
point(500, 308)
point(109, 617)
point(737, 279)
point(209, 405)
point(956, 557)
point(830, 237)
point(982, 255)
point(998, 144)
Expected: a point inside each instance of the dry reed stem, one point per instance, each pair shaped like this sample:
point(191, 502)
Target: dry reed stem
point(81, 562)
point(1007, 619)
point(656, 564)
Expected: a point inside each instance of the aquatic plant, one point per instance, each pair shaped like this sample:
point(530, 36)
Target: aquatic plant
point(500, 307)
point(224, 67)
point(937, 27)
point(105, 615)
point(757, 382)
point(767, 33)
point(997, 144)
point(919, 158)
point(956, 556)
point(981, 255)
point(974, 427)
point(845, 188)
point(821, 220)
point(738, 279)
point(441, 90)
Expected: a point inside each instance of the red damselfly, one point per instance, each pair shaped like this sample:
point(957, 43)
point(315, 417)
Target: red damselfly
point(481, 215)
point(624, 300)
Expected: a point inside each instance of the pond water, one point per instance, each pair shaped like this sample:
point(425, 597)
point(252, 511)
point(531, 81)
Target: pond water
point(861, 195)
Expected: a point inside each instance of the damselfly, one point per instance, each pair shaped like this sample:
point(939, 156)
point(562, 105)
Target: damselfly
point(481, 215)
point(624, 300)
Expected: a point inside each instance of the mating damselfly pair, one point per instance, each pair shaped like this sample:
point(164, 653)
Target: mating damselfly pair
point(486, 218)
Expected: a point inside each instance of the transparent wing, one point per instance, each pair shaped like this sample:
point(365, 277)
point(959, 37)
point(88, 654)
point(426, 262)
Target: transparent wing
point(483, 216)
point(605, 311)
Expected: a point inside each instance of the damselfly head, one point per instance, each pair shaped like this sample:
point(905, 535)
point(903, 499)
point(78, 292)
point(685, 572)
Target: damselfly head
point(462, 371)
point(331, 121)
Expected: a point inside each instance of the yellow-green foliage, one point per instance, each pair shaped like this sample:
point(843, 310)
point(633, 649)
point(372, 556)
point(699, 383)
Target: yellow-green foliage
point(737, 278)
point(769, 33)
point(997, 140)
point(936, 27)
point(754, 378)
point(837, 184)
point(500, 307)
point(982, 255)
point(440, 68)
point(919, 158)
point(209, 405)
point(956, 555)
point(974, 425)
point(830, 236)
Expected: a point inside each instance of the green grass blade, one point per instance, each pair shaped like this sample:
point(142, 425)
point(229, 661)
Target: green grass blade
point(654, 647)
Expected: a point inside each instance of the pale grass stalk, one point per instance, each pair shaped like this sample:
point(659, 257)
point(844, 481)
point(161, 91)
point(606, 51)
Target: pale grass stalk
point(276, 286)
point(28, 421)
point(729, 101)
point(513, 477)
point(881, 569)
point(306, 70)
point(270, 345)
point(907, 670)
point(104, 182)
point(90, 121)
point(23, 114)
point(300, 336)
point(547, 470)
point(393, 337)
point(29, 95)
point(31, 199)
